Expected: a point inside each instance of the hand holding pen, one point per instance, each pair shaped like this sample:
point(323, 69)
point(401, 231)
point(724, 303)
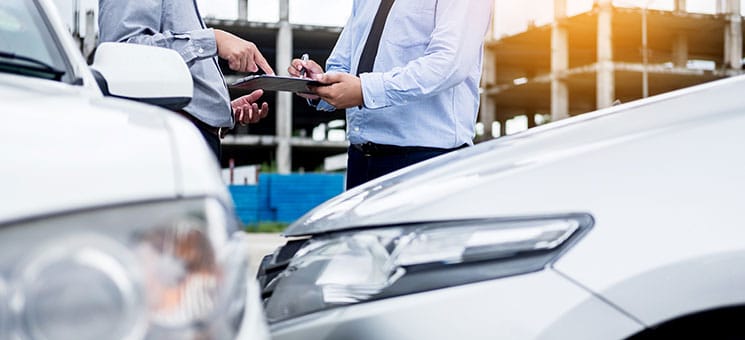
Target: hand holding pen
point(305, 68)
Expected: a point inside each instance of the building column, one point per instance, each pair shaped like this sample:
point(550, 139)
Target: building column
point(242, 9)
point(559, 63)
point(721, 6)
point(89, 42)
point(530, 114)
point(680, 50)
point(284, 99)
point(605, 77)
point(733, 36)
point(680, 44)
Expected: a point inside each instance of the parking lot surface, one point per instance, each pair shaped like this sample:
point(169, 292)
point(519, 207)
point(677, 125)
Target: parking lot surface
point(260, 245)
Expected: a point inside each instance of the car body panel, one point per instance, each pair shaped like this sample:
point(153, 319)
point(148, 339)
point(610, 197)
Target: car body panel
point(661, 177)
point(433, 190)
point(78, 164)
point(68, 151)
point(521, 309)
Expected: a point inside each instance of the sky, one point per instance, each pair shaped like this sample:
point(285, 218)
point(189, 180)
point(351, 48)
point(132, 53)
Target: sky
point(510, 16)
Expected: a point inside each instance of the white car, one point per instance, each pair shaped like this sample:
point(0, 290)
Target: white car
point(114, 222)
point(622, 223)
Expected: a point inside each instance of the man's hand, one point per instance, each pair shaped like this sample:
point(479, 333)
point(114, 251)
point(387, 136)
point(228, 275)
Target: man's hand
point(247, 111)
point(312, 71)
point(342, 90)
point(242, 55)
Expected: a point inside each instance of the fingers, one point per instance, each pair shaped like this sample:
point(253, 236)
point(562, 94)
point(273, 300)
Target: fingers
point(253, 96)
point(251, 114)
point(312, 69)
point(262, 63)
point(248, 54)
point(247, 64)
point(308, 96)
point(264, 110)
point(256, 113)
point(341, 90)
point(234, 63)
point(244, 114)
point(325, 92)
point(296, 66)
point(247, 111)
point(242, 55)
point(239, 115)
point(331, 78)
point(247, 99)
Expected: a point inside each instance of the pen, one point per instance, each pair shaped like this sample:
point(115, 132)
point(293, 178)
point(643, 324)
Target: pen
point(304, 58)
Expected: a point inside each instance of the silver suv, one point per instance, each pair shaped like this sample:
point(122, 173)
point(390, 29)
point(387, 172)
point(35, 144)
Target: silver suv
point(114, 223)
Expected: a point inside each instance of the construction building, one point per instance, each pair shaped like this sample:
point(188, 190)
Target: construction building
point(574, 65)
point(605, 56)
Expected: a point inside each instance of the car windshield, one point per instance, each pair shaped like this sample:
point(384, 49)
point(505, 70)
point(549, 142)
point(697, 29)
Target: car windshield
point(27, 46)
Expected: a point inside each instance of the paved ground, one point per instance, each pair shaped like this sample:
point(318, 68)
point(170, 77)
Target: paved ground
point(260, 245)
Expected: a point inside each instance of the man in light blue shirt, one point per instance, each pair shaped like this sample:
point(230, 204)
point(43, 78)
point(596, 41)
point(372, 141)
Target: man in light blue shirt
point(177, 25)
point(419, 97)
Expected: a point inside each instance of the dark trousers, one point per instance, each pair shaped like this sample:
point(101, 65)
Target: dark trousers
point(363, 167)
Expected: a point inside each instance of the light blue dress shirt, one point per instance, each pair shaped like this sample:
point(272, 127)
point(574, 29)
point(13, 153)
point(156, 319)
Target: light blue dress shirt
point(424, 88)
point(174, 24)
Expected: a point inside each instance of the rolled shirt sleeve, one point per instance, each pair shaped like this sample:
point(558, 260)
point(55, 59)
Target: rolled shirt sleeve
point(120, 21)
point(176, 25)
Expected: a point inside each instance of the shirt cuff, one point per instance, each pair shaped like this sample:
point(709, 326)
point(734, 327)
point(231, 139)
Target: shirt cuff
point(203, 43)
point(324, 106)
point(373, 90)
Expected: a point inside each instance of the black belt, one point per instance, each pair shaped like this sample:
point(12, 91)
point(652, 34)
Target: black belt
point(370, 149)
point(220, 132)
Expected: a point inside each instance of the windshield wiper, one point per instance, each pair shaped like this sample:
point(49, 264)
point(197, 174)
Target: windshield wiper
point(37, 68)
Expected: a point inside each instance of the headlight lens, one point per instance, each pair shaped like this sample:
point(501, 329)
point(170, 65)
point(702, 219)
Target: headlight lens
point(157, 271)
point(352, 267)
point(90, 273)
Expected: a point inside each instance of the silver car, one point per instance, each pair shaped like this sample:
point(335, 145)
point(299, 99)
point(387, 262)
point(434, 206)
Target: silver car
point(622, 223)
point(114, 222)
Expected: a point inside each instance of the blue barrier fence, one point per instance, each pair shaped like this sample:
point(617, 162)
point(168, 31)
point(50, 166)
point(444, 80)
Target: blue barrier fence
point(284, 198)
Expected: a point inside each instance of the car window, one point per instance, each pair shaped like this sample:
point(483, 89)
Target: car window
point(27, 46)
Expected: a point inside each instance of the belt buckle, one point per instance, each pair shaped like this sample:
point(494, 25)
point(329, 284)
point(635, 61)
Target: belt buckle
point(368, 148)
point(222, 132)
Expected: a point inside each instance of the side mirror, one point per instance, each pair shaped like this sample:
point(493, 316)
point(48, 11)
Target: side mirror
point(148, 74)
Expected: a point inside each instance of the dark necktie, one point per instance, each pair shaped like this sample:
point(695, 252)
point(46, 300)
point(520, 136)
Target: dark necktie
point(367, 59)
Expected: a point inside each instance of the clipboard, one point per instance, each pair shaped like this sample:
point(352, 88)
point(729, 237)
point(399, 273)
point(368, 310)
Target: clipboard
point(275, 83)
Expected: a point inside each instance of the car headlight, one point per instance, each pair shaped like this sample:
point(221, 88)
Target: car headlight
point(351, 267)
point(162, 270)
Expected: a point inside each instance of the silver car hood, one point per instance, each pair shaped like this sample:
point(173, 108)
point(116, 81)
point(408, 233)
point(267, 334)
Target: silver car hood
point(447, 182)
point(64, 147)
